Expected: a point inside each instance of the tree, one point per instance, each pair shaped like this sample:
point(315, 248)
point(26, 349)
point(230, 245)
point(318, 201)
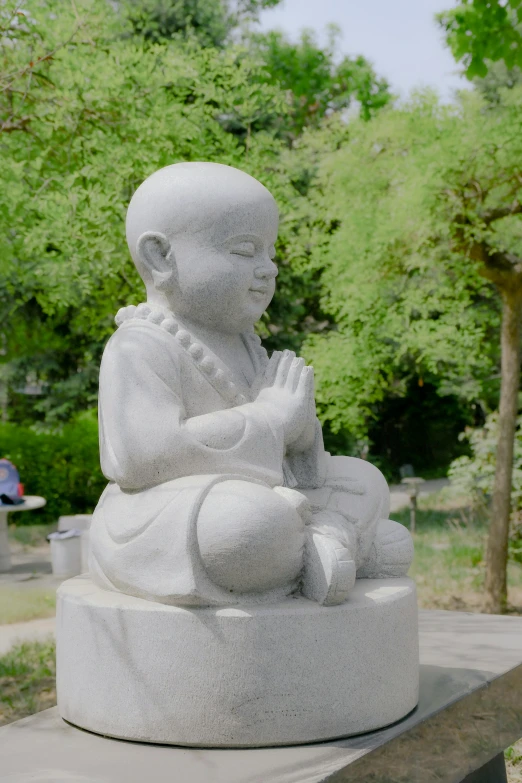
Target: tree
point(89, 109)
point(428, 250)
point(478, 31)
point(211, 21)
point(318, 82)
point(95, 113)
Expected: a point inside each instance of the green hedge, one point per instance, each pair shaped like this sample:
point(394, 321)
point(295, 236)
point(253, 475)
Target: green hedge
point(63, 467)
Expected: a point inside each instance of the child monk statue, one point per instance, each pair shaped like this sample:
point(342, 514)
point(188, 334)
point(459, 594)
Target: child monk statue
point(220, 489)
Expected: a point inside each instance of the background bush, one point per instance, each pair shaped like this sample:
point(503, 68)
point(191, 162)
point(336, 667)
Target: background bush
point(62, 466)
point(473, 476)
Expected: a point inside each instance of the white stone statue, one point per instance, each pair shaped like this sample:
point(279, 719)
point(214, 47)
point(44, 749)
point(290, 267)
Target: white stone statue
point(245, 587)
point(220, 489)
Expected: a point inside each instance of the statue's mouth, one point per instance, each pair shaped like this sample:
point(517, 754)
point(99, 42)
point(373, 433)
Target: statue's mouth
point(261, 290)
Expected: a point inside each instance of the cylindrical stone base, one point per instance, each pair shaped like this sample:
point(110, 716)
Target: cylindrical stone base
point(280, 674)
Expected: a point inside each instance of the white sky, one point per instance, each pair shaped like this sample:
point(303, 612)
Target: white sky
point(399, 37)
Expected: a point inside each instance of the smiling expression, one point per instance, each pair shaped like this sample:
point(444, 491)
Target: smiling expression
point(225, 273)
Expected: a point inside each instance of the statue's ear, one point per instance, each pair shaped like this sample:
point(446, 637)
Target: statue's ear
point(155, 253)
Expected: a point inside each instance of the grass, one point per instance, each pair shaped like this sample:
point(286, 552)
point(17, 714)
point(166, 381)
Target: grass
point(30, 603)
point(513, 756)
point(29, 536)
point(449, 562)
point(27, 680)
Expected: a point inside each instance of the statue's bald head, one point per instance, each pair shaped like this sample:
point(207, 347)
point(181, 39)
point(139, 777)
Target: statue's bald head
point(202, 237)
point(187, 198)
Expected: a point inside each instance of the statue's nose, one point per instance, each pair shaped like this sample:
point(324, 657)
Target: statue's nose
point(267, 271)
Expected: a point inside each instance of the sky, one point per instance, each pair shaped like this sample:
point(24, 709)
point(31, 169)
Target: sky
point(399, 37)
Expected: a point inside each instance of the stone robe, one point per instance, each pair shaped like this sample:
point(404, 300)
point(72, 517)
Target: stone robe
point(154, 378)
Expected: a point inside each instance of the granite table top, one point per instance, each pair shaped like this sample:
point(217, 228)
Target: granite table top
point(470, 709)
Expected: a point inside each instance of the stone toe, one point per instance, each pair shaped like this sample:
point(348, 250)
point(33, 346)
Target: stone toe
point(391, 552)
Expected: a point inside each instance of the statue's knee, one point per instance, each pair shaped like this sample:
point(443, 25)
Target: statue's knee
point(391, 552)
point(250, 537)
point(371, 495)
point(358, 469)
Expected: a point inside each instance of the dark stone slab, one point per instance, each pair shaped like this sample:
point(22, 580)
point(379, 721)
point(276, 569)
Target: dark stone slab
point(470, 709)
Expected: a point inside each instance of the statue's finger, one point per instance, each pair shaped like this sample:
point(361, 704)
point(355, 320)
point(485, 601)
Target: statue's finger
point(294, 374)
point(271, 368)
point(306, 383)
point(284, 367)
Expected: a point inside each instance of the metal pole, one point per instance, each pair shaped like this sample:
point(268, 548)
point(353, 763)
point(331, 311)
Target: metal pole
point(413, 511)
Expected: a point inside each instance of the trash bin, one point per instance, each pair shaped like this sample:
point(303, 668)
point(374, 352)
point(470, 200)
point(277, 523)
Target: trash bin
point(74, 522)
point(85, 547)
point(66, 552)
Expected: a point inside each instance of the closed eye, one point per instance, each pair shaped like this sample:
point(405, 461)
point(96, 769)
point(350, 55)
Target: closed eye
point(244, 249)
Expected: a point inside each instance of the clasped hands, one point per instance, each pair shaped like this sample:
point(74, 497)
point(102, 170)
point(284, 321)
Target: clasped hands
point(286, 392)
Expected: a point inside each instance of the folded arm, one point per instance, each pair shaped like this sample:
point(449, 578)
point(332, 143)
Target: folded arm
point(146, 437)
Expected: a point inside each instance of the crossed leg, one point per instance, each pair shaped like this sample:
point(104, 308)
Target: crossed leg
point(350, 534)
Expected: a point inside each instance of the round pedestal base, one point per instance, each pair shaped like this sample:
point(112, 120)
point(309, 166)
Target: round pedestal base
point(283, 674)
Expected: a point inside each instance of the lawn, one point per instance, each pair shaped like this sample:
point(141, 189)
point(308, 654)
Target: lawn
point(20, 604)
point(449, 556)
point(27, 680)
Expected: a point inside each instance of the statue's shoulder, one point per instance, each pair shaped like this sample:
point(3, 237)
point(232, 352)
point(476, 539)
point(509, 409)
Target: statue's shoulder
point(143, 332)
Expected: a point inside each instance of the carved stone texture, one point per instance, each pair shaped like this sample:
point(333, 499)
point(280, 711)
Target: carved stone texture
point(288, 673)
point(200, 430)
point(221, 493)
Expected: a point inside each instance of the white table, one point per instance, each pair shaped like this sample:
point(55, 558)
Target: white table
point(30, 503)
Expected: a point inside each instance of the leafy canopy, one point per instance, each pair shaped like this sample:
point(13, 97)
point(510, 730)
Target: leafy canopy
point(482, 30)
point(410, 194)
point(88, 109)
point(211, 21)
point(87, 115)
point(318, 83)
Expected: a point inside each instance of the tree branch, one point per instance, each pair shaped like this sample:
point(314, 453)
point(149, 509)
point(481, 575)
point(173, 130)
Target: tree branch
point(491, 215)
point(503, 269)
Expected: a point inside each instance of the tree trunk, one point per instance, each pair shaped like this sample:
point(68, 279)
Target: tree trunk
point(497, 549)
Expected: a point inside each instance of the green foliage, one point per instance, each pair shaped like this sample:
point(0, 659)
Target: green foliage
point(211, 21)
point(90, 109)
point(87, 124)
point(408, 195)
point(497, 80)
point(482, 30)
point(30, 535)
point(29, 603)
point(62, 466)
point(474, 475)
point(317, 81)
point(27, 680)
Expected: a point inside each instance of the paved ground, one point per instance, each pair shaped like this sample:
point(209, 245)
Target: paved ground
point(24, 632)
point(31, 569)
point(399, 498)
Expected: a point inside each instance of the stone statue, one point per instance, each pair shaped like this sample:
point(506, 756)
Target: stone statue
point(245, 588)
point(220, 489)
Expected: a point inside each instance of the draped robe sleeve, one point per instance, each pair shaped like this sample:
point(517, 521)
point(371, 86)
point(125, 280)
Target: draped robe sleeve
point(146, 436)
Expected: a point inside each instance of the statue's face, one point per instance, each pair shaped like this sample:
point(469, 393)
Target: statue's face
point(225, 273)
